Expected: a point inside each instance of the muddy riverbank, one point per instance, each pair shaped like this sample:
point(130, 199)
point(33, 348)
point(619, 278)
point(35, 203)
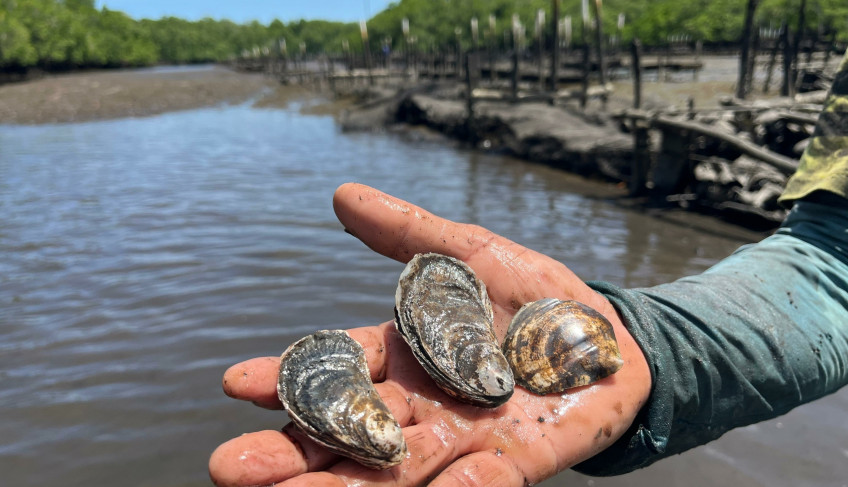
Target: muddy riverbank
point(692, 144)
point(99, 95)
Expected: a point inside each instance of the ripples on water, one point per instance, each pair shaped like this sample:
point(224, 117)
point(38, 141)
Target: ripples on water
point(141, 257)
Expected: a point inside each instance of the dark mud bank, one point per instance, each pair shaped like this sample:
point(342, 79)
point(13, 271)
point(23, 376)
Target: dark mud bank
point(678, 169)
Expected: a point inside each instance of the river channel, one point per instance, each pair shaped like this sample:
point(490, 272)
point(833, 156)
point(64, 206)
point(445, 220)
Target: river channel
point(139, 258)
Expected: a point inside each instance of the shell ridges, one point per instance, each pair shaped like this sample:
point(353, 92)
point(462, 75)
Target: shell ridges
point(443, 312)
point(326, 389)
point(555, 345)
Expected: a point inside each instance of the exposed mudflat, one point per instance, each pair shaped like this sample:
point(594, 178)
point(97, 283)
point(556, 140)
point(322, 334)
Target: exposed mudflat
point(98, 95)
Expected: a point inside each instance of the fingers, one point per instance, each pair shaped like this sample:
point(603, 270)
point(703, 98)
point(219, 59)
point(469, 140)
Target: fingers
point(431, 447)
point(263, 458)
point(316, 479)
point(481, 469)
point(266, 457)
point(254, 380)
point(400, 230)
point(272, 456)
point(375, 342)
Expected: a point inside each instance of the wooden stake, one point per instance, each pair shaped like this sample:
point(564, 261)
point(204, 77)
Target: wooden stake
point(363, 31)
point(516, 28)
point(742, 82)
point(555, 46)
point(773, 57)
point(786, 87)
point(599, 40)
point(540, 46)
point(636, 68)
point(796, 44)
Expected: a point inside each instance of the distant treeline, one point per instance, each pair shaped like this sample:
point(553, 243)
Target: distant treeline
point(654, 22)
point(68, 34)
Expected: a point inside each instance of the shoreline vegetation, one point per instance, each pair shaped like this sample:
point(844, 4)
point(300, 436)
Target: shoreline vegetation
point(66, 35)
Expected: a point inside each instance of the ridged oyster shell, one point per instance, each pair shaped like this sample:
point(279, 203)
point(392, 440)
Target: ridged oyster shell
point(325, 386)
point(555, 345)
point(444, 314)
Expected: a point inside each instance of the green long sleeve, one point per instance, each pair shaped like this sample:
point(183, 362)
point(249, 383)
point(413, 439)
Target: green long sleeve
point(758, 334)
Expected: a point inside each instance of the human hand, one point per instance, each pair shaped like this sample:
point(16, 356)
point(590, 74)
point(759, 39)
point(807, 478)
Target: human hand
point(523, 441)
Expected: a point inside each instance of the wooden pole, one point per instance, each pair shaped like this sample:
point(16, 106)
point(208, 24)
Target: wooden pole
point(331, 73)
point(490, 45)
point(555, 46)
point(636, 68)
point(458, 61)
point(540, 47)
point(747, 35)
point(599, 40)
point(786, 87)
point(363, 30)
point(699, 49)
point(773, 58)
point(584, 34)
point(516, 27)
point(796, 44)
point(584, 89)
point(404, 27)
point(469, 88)
point(752, 61)
point(413, 40)
point(472, 63)
point(285, 52)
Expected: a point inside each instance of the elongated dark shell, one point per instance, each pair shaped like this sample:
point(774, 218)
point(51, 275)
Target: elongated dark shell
point(444, 313)
point(555, 345)
point(325, 387)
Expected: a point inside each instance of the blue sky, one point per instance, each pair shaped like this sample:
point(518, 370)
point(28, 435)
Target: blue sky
point(246, 10)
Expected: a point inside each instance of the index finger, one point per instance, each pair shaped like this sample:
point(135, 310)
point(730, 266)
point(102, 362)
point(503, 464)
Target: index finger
point(513, 273)
point(399, 230)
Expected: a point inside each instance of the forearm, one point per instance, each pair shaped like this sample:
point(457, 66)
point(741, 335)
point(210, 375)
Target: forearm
point(758, 334)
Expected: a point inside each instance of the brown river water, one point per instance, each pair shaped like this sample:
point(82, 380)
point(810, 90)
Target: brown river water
point(139, 258)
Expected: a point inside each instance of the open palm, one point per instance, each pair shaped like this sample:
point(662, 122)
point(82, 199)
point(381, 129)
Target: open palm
point(524, 441)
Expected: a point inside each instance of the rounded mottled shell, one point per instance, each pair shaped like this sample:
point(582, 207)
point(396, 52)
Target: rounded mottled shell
point(444, 314)
point(325, 387)
point(555, 345)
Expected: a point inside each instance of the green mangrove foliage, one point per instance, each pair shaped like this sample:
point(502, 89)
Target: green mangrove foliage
point(434, 23)
point(68, 34)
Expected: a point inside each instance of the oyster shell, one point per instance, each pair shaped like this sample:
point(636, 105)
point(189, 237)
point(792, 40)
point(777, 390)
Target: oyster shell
point(444, 314)
point(555, 345)
point(325, 387)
